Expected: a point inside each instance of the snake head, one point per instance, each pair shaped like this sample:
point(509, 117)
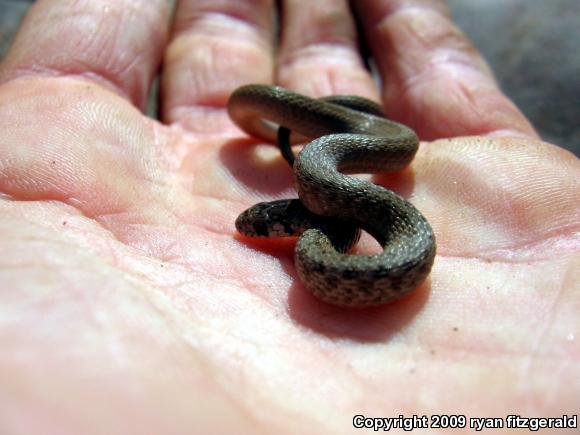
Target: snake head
point(283, 218)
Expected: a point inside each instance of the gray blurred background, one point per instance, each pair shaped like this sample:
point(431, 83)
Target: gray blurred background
point(532, 45)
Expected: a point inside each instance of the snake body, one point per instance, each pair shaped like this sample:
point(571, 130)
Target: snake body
point(346, 137)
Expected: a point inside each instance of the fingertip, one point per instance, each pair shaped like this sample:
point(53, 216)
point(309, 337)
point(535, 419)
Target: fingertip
point(117, 45)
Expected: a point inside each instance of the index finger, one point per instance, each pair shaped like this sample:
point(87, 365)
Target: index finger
point(435, 80)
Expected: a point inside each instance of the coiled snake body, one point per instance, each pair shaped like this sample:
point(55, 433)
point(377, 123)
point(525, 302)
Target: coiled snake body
point(348, 138)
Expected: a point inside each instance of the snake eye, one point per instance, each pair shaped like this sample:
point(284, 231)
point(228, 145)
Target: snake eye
point(244, 226)
point(252, 223)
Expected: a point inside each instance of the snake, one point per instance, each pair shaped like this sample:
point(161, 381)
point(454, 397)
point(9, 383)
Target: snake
point(344, 135)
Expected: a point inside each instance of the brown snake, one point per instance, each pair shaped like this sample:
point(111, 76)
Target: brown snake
point(347, 137)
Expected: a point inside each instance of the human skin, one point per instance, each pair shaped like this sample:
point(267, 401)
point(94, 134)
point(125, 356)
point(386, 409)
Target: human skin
point(129, 305)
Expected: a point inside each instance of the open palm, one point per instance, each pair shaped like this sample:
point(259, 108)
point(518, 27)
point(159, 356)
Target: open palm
point(129, 305)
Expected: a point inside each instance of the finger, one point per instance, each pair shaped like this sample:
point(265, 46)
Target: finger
point(435, 80)
point(116, 43)
point(319, 50)
point(216, 46)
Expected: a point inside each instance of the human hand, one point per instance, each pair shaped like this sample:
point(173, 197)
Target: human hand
point(129, 305)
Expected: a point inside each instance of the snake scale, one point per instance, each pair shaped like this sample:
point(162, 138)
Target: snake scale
point(347, 135)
